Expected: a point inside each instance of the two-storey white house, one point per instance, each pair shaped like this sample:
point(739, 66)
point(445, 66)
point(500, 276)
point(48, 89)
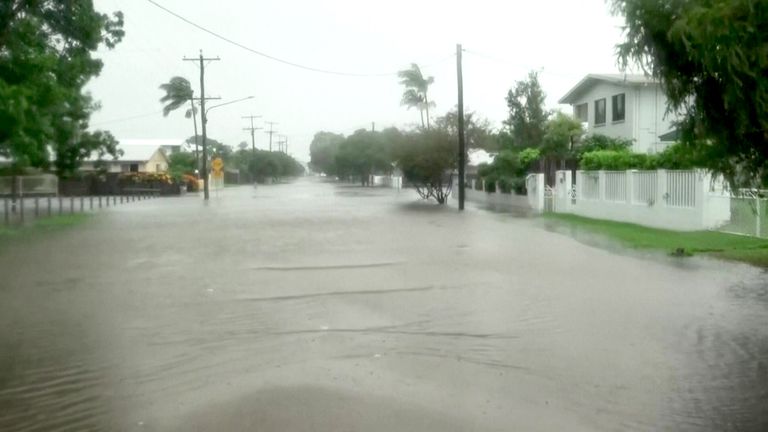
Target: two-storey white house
point(625, 106)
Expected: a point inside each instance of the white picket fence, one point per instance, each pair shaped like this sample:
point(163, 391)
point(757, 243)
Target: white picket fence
point(679, 200)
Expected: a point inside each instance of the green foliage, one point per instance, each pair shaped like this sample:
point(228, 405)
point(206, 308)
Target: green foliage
point(265, 165)
point(364, 153)
point(181, 163)
point(45, 62)
point(178, 92)
point(416, 90)
point(529, 156)
point(675, 157)
point(602, 142)
point(680, 157)
point(477, 131)
point(427, 159)
point(323, 151)
point(527, 116)
point(728, 246)
point(615, 160)
point(561, 134)
point(710, 56)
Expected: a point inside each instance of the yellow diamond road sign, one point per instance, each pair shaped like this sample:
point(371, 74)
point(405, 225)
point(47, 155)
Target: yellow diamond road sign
point(217, 165)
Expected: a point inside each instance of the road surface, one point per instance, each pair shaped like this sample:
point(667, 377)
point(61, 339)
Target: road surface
point(321, 307)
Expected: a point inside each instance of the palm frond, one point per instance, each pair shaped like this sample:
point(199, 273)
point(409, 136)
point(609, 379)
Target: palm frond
point(177, 92)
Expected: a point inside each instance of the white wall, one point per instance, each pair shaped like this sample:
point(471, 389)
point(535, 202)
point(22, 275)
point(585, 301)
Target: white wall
point(607, 90)
point(645, 119)
point(652, 120)
point(707, 209)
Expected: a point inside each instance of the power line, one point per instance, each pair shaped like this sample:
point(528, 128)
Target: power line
point(122, 119)
point(279, 60)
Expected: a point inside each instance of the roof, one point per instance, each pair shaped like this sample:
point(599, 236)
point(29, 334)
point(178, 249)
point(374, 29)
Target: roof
point(590, 80)
point(671, 136)
point(137, 150)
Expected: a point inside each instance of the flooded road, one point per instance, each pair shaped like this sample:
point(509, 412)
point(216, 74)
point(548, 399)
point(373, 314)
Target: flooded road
point(319, 307)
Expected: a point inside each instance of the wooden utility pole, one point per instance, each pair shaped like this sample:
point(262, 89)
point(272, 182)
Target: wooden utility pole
point(252, 129)
point(270, 132)
point(462, 144)
point(202, 61)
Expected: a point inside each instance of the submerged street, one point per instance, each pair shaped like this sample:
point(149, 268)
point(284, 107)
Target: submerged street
point(315, 306)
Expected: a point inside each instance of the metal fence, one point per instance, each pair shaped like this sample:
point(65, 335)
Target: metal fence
point(749, 216)
point(19, 210)
point(36, 185)
point(616, 186)
point(681, 189)
point(644, 187)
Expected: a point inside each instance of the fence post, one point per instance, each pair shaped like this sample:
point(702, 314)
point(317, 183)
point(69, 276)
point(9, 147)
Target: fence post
point(759, 214)
point(49, 206)
point(6, 210)
point(90, 202)
point(540, 184)
point(661, 187)
point(37, 207)
point(61, 207)
point(82, 208)
point(21, 207)
point(569, 197)
point(601, 185)
point(99, 201)
point(630, 186)
point(71, 205)
point(114, 200)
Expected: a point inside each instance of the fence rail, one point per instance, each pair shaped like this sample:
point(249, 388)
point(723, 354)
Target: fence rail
point(19, 210)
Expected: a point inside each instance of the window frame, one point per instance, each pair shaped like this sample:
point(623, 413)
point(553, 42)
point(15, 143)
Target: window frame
point(597, 111)
point(614, 110)
point(586, 112)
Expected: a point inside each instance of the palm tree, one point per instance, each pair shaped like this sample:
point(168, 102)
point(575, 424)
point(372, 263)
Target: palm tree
point(414, 82)
point(413, 99)
point(177, 92)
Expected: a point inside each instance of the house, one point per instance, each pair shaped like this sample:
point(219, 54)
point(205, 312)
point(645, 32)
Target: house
point(140, 157)
point(623, 106)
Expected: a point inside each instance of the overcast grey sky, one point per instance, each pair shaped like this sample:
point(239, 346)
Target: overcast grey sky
point(564, 39)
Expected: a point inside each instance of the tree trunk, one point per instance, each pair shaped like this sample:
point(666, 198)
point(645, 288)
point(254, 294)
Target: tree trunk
point(426, 104)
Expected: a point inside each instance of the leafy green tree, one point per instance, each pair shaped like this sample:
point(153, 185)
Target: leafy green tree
point(527, 115)
point(181, 163)
point(561, 135)
point(416, 90)
point(477, 130)
point(323, 150)
point(362, 154)
point(427, 159)
point(710, 56)
point(46, 60)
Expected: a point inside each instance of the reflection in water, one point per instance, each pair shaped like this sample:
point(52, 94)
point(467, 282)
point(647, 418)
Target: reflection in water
point(313, 308)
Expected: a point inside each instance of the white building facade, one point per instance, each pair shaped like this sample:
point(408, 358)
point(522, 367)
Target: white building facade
point(623, 106)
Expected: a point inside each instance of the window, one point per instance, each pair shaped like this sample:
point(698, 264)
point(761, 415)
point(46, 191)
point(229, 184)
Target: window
point(600, 111)
point(582, 112)
point(134, 167)
point(618, 107)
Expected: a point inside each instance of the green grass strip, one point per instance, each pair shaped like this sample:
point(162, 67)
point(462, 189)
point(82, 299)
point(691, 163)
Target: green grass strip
point(751, 250)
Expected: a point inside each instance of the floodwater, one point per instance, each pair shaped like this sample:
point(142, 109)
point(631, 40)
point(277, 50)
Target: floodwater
point(319, 307)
